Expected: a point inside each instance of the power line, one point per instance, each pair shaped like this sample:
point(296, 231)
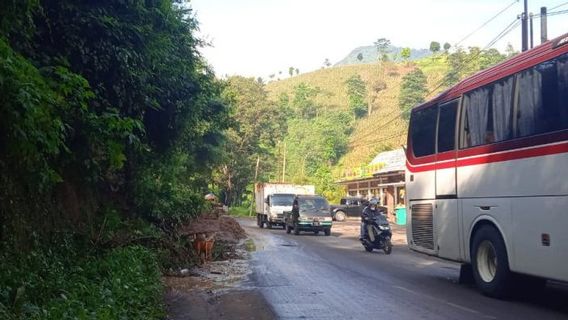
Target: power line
point(486, 22)
point(510, 27)
point(558, 6)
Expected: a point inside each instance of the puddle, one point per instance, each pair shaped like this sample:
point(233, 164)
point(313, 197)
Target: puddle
point(250, 246)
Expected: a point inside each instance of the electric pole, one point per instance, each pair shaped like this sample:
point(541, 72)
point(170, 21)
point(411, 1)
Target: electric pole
point(284, 164)
point(525, 43)
point(543, 25)
point(531, 28)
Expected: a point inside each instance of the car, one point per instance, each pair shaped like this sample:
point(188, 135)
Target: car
point(348, 207)
point(309, 213)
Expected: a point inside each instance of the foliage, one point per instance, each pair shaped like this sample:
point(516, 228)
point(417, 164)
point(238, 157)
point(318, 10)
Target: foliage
point(383, 46)
point(357, 92)
point(405, 54)
point(257, 126)
point(62, 280)
point(240, 211)
point(447, 47)
point(465, 63)
point(360, 56)
point(434, 47)
point(412, 91)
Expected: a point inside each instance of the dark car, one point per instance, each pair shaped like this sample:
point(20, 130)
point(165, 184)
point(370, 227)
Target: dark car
point(348, 207)
point(309, 213)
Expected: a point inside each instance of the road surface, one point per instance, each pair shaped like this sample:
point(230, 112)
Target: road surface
point(319, 277)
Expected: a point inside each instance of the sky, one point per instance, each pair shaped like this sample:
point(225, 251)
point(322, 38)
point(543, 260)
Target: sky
point(256, 38)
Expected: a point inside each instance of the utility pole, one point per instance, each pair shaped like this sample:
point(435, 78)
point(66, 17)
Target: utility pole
point(525, 44)
point(254, 188)
point(284, 164)
point(543, 25)
point(531, 28)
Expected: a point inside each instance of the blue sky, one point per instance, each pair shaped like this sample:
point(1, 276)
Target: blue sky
point(261, 37)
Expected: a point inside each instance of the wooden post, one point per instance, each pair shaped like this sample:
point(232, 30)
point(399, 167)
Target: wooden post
point(254, 188)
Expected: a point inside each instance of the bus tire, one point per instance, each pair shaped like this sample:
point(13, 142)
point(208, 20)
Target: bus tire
point(490, 263)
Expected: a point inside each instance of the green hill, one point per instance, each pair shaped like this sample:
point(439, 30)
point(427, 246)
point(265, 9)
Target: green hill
point(383, 129)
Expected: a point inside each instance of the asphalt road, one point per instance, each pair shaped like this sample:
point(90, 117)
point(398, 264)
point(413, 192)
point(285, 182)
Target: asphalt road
point(319, 277)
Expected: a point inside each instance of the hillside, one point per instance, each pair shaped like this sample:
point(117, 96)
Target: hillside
point(369, 54)
point(383, 129)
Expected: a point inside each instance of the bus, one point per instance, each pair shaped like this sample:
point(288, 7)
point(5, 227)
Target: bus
point(487, 171)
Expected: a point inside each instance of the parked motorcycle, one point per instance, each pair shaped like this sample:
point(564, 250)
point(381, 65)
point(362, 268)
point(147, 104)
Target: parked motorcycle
point(378, 234)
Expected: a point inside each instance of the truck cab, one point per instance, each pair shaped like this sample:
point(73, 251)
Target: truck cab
point(274, 207)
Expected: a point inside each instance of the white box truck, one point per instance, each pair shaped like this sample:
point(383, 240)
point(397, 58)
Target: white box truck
point(272, 199)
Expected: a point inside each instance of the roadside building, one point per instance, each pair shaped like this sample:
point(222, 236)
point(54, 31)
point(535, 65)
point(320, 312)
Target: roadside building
point(382, 178)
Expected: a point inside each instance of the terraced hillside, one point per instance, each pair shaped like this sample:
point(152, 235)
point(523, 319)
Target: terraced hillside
point(384, 128)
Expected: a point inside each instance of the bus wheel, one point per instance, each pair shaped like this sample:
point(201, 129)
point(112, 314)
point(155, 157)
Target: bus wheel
point(490, 264)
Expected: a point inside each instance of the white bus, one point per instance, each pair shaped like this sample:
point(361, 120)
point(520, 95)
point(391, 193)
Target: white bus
point(487, 171)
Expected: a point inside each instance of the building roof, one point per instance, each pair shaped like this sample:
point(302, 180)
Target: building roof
point(390, 161)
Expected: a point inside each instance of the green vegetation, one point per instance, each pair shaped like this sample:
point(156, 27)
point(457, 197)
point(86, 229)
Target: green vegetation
point(412, 91)
point(240, 211)
point(357, 93)
point(111, 127)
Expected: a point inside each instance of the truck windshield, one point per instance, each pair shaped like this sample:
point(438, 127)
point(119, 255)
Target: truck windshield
point(314, 206)
point(282, 200)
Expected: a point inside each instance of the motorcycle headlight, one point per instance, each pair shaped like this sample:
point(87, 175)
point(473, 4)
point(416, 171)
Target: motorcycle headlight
point(383, 228)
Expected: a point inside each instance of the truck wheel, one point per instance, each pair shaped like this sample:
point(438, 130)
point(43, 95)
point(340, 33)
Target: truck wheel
point(260, 222)
point(340, 216)
point(288, 228)
point(296, 229)
point(268, 225)
point(490, 263)
point(327, 232)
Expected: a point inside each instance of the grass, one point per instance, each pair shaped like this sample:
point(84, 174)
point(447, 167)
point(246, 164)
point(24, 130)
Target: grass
point(383, 129)
point(240, 211)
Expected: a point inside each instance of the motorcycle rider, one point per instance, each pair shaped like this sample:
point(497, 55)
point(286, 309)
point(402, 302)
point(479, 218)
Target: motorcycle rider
point(369, 211)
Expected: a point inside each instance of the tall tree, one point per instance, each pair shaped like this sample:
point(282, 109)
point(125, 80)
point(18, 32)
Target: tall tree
point(291, 71)
point(383, 48)
point(327, 63)
point(357, 92)
point(413, 91)
point(434, 47)
point(360, 56)
point(405, 54)
point(447, 47)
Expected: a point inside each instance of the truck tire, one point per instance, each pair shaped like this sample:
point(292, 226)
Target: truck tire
point(490, 263)
point(327, 232)
point(296, 229)
point(268, 225)
point(340, 216)
point(288, 228)
point(260, 222)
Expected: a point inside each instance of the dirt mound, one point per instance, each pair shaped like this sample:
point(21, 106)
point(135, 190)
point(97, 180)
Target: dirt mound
point(230, 230)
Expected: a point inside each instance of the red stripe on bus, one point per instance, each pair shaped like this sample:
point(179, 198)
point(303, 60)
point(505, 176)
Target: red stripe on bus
point(492, 158)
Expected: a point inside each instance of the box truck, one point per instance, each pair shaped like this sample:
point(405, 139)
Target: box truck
point(272, 199)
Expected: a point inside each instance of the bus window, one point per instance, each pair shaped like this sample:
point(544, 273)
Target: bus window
point(488, 114)
point(423, 131)
point(542, 98)
point(447, 126)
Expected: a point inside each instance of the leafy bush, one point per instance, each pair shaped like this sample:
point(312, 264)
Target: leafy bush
point(61, 281)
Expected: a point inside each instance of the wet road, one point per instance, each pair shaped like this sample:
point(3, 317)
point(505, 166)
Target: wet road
point(318, 277)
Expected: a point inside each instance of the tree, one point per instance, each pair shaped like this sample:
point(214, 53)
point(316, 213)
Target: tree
point(303, 102)
point(434, 47)
point(271, 76)
point(327, 63)
point(360, 56)
point(291, 71)
point(297, 71)
point(383, 48)
point(257, 126)
point(510, 51)
point(405, 54)
point(447, 47)
point(412, 91)
point(356, 93)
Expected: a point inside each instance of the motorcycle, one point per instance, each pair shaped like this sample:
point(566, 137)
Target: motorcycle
point(378, 234)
